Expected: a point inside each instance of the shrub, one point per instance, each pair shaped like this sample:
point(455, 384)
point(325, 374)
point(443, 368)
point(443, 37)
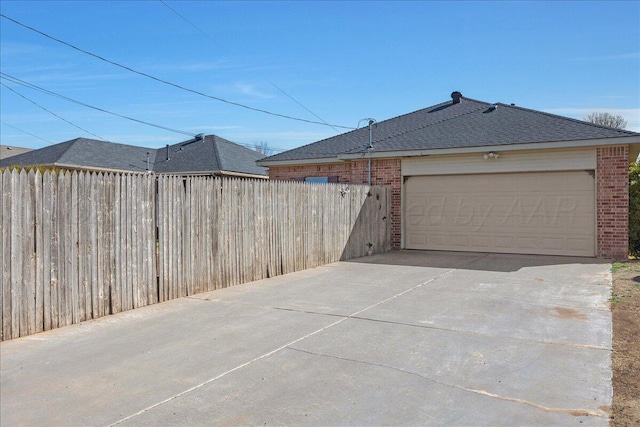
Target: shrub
point(634, 209)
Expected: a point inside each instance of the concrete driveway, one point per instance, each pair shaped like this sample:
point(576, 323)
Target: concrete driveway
point(404, 338)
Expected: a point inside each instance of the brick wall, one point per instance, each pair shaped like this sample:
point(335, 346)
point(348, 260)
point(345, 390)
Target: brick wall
point(383, 172)
point(613, 202)
point(612, 193)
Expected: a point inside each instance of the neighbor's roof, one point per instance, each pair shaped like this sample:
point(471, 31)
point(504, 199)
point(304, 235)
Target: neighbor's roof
point(7, 151)
point(85, 153)
point(211, 155)
point(469, 123)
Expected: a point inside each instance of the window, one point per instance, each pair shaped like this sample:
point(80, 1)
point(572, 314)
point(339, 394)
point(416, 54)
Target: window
point(321, 179)
point(317, 179)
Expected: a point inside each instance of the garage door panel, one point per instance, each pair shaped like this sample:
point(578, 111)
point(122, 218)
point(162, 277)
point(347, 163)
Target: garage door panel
point(547, 213)
point(504, 242)
point(438, 240)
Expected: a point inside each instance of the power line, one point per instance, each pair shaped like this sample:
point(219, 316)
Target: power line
point(24, 131)
point(300, 104)
point(50, 112)
point(168, 82)
point(38, 88)
point(268, 81)
point(57, 95)
point(190, 23)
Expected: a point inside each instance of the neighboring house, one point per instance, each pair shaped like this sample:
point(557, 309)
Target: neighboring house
point(203, 155)
point(467, 175)
point(7, 151)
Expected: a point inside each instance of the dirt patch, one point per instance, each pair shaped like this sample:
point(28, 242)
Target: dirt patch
point(625, 308)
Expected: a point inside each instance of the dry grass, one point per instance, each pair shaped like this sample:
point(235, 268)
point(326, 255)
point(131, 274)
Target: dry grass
point(625, 308)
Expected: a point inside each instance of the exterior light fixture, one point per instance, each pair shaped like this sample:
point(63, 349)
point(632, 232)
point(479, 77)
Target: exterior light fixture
point(491, 155)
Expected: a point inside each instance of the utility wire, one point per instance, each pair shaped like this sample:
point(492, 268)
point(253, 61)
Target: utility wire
point(190, 23)
point(57, 95)
point(50, 112)
point(38, 88)
point(268, 81)
point(168, 82)
point(24, 131)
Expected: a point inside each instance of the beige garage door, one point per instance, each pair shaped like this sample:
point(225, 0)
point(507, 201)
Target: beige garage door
point(530, 213)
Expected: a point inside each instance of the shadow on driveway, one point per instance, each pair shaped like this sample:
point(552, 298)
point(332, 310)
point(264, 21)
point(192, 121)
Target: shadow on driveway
point(472, 260)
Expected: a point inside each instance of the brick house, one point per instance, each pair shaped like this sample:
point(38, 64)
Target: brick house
point(467, 175)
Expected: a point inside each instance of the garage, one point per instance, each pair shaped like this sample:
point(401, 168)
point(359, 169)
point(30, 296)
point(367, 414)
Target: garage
point(550, 213)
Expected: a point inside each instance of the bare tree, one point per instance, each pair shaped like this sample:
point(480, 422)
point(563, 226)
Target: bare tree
point(263, 148)
point(606, 119)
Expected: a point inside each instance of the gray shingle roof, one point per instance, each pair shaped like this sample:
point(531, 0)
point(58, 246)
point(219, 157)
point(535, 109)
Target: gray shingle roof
point(469, 123)
point(212, 155)
point(87, 153)
point(7, 151)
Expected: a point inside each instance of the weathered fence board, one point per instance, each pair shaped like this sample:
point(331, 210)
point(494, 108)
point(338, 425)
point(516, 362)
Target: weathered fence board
point(79, 246)
point(5, 258)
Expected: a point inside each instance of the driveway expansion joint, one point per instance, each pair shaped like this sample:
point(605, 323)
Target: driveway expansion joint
point(265, 355)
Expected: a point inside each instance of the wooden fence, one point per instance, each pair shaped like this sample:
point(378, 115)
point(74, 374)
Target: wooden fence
point(79, 246)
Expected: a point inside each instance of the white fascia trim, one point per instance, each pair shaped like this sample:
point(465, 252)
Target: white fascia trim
point(626, 140)
point(214, 173)
point(268, 163)
point(242, 175)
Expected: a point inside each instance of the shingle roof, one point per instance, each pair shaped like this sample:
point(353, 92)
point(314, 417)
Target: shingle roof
point(214, 154)
point(7, 151)
point(211, 154)
point(88, 153)
point(469, 123)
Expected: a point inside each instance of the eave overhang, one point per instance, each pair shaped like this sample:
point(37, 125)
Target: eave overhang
point(632, 141)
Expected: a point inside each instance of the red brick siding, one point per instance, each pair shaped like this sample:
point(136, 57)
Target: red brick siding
point(383, 172)
point(612, 193)
point(613, 202)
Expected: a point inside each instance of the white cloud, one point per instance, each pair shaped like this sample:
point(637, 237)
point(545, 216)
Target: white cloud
point(19, 49)
point(250, 90)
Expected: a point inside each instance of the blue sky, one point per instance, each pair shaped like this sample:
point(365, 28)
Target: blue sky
point(343, 61)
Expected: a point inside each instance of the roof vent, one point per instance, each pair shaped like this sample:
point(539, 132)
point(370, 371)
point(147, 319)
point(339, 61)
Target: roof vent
point(456, 96)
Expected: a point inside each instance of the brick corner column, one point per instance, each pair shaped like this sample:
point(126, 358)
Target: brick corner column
point(612, 196)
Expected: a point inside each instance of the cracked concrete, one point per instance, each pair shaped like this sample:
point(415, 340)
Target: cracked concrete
point(404, 338)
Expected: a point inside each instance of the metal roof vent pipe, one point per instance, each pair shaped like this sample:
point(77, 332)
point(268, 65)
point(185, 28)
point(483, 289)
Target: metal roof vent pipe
point(456, 96)
point(168, 153)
